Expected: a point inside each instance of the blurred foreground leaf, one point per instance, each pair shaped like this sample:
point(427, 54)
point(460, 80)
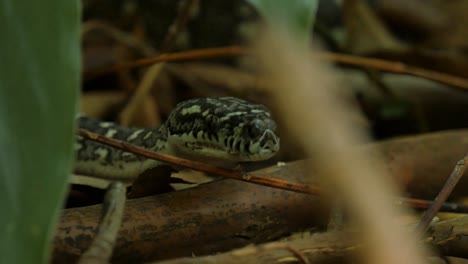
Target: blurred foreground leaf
point(295, 16)
point(39, 78)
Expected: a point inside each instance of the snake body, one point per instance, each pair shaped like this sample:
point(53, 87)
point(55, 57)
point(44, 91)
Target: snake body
point(220, 131)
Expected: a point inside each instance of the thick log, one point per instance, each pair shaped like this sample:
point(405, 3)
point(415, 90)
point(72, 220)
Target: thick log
point(226, 214)
point(426, 161)
point(210, 218)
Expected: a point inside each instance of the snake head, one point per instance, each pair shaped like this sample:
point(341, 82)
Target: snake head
point(222, 129)
point(257, 140)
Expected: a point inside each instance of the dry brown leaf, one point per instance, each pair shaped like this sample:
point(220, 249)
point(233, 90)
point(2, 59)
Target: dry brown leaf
point(141, 105)
point(365, 32)
point(97, 104)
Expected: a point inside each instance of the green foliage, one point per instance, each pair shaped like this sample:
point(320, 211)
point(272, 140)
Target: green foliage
point(293, 16)
point(39, 83)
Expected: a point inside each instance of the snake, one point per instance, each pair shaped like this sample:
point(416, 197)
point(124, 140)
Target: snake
point(222, 131)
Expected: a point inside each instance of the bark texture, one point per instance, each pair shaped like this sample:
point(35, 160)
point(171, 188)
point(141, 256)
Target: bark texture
point(227, 214)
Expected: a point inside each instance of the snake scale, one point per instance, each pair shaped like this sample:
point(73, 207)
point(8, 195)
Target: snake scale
point(220, 131)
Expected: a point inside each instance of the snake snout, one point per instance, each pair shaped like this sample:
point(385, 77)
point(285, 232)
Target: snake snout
point(269, 141)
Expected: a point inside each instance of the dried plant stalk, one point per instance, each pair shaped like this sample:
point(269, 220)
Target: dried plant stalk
point(306, 95)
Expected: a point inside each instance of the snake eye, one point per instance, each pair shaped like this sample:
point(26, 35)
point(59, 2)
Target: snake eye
point(256, 128)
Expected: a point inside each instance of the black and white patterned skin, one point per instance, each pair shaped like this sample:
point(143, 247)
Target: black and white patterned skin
point(220, 131)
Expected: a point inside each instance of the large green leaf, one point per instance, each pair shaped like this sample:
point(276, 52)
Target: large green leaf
point(293, 16)
point(39, 82)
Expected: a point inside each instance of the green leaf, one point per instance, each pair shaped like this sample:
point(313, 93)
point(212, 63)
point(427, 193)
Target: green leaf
point(293, 16)
point(39, 83)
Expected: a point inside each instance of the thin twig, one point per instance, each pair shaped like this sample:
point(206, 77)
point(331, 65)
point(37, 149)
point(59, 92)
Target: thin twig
point(233, 174)
point(233, 51)
point(451, 182)
point(172, 57)
point(396, 67)
point(425, 204)
point(238, 175)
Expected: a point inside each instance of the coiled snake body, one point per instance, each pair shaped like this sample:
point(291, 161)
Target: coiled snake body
point(220, 131)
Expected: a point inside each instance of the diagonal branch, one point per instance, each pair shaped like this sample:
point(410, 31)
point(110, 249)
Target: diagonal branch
point(226, 173)
point(444, 193)
point(238, 175)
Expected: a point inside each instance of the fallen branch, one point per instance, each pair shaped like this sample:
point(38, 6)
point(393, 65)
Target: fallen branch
point(226, 214)
point(236, 51)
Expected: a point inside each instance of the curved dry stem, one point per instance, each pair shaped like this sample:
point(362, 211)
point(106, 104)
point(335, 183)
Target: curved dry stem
point(315, 113)
point(235, 51)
